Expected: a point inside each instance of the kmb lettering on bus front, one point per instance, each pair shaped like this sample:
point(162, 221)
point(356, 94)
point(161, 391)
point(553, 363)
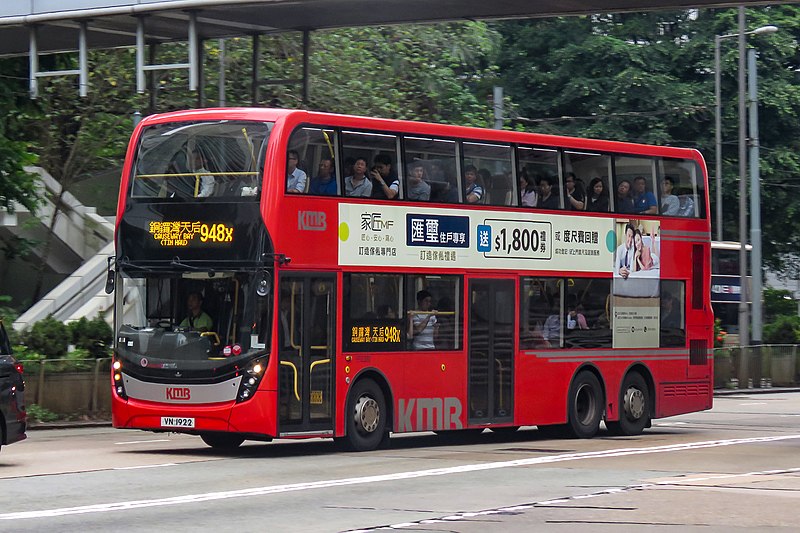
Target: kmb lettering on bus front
point(178, 393)
point(426, 414)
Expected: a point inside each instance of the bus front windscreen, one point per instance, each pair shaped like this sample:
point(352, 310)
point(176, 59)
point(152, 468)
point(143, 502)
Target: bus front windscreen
point(220, 160)
point(195, 324)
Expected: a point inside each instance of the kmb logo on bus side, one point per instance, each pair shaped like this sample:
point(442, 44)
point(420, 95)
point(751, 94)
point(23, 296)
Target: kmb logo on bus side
point(178, 393)
point(311, 221)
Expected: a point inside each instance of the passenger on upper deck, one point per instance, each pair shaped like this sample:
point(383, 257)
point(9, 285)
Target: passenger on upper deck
point(576, 198)
point(418, 188)
point(473, 190)
point(670, 205)
point(624, 202)
point(358, 184)
point(295, 178)
point(527, 190)
point(547, 200)
point(324, 182)
point(644, 201)
point(385, 184)
point(204, 182)
point(597, 199)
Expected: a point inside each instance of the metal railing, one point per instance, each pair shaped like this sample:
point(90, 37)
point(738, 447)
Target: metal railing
point(764, 366)
point(69, 386)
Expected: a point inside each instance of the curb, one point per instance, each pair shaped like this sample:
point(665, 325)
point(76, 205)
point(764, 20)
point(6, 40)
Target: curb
point(770, 390)
point(68, 425)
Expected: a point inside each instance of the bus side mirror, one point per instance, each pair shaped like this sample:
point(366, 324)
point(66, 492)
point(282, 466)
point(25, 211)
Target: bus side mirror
point(110, 282)
point(110, 277)
point(263, 285)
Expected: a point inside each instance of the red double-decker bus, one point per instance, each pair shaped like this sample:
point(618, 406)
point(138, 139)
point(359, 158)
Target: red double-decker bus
point(292, 274)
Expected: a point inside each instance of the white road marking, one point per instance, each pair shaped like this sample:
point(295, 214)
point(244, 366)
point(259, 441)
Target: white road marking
point(144, 466)
point(142, 441)
point(294, 487)
point(754, 403)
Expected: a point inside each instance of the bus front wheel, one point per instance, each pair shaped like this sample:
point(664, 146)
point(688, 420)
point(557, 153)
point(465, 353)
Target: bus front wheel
point(222, 441)
point(366, 416)
point(586, 402)
point(634, 404)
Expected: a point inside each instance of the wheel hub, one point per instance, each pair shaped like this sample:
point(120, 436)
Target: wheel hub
point(367, 414)
point(634, 403)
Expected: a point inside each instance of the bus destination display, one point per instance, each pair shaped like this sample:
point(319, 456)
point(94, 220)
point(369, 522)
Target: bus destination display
point(182, 233)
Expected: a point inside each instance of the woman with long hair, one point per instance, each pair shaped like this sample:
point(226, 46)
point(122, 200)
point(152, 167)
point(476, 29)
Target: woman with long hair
point(527, 190)
point(597, 199)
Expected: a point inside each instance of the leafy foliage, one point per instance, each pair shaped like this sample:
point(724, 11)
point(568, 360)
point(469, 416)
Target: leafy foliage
point(93, 336)
point(784, 330)
point(649, 78)
point(16, 185)
point(49, 337)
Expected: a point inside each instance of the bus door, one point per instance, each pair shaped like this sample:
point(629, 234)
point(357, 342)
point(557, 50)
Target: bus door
point(491, 350)
point(306, 342)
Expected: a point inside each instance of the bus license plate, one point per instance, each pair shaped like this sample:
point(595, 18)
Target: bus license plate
point(176, 422)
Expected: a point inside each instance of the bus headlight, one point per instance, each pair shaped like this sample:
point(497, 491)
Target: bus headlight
point(119, 383)
point(251, 378)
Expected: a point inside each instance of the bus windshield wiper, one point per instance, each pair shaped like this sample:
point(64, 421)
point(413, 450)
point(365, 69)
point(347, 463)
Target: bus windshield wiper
point(176, 262)
point(125, 263)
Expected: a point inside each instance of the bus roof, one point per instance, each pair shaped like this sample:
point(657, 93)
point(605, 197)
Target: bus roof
point(294, 117)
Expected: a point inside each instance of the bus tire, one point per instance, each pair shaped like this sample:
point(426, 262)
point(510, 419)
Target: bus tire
point(222, 441)
point(586, 402)
point(366, 417)
point(634, 401)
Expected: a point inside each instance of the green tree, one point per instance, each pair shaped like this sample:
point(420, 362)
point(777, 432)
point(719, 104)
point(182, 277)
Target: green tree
point(778, 302)
point(649, 78)
point(16, 185)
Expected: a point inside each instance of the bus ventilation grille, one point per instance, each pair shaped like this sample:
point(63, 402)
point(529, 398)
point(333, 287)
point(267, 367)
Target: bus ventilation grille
point(698, 352)
point(686, 389)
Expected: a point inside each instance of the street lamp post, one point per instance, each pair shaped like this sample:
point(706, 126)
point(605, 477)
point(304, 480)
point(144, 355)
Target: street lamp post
point(718, 115)
point(743, 321)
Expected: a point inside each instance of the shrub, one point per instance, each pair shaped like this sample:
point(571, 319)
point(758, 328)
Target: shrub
point(41, 414)
point(784, 330)
point(50, 337)
point(93, 335)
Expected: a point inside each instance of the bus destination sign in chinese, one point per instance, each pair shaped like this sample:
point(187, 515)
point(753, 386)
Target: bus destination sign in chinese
point(180, 234)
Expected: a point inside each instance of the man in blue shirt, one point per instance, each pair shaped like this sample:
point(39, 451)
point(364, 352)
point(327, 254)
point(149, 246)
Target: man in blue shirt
point(325, 181)
point(644, 201)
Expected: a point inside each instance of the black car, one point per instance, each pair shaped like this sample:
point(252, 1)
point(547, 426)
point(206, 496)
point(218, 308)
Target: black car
point(13, 418)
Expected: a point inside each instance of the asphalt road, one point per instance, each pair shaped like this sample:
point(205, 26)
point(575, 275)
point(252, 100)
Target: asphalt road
point(735, 467)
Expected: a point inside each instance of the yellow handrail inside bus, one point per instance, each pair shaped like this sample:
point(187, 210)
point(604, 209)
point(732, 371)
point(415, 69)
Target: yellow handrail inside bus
point(294, 371)
point(315, 363)
point(249, 145)
point(211, 334)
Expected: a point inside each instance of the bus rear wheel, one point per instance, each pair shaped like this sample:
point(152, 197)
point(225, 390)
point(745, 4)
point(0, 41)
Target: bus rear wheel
point(222, 441)
point(634, 404)
point(366, 417)
point(586, 402)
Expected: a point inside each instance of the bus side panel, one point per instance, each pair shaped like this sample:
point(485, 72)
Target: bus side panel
point(257, 415)
point(433, 392)
point(541, 389)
